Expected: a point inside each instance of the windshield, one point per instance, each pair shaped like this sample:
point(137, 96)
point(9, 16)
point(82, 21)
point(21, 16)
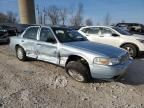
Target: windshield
point(68, 35)
point(121, 31)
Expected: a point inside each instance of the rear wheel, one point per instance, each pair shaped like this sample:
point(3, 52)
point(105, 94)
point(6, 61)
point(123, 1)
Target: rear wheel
point(132, 50)
point(78, 71)
point(20, 53)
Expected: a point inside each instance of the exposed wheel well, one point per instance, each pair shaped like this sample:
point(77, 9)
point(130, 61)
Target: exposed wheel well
point(78, 58)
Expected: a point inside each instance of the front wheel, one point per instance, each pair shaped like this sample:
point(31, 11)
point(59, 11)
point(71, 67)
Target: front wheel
point(78, 71)
point(20, 53)
point(132, 50)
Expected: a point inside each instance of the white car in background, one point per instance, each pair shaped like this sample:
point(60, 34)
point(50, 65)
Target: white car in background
point(115, 36)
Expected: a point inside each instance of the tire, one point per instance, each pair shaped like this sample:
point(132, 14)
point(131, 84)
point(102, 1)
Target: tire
point(20, 53)
point(78, 71)
point(132, 50)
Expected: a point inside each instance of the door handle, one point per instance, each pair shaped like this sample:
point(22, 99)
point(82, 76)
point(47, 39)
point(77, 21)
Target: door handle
point(39, 44)
point(22, 40)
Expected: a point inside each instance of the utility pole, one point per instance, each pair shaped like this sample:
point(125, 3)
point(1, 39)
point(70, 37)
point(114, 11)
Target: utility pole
point(27, 11)
point(44, 15)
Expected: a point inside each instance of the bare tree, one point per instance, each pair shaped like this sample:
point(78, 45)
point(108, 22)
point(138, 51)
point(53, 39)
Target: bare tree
point(38, 16)
point(63, 15)
point(77, 19)
point(89, 22)
point(98, 24)
point(11, 17)
point(3, 18)
point(107, 19)
point(71, 17)
point(53, 14)
point(44, 16)
point(123, 21)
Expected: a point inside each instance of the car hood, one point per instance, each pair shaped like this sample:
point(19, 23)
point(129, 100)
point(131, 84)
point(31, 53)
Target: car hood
point(97, 48)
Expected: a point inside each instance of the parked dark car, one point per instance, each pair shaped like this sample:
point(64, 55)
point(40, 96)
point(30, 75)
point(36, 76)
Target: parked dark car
point(5, 32)
point(2, 31)
point(134, 28)
point(9, 29)
point(22, 27)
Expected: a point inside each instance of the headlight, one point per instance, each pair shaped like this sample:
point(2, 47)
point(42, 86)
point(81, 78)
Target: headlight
point(3, 30)
point(142, 41)
point(106, 61)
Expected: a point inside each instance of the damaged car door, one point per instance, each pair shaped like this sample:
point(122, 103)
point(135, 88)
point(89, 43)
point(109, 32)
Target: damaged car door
point(47, 46)
point(29, 41)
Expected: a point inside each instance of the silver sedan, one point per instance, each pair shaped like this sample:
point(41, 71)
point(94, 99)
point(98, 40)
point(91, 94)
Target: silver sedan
point(82, 59)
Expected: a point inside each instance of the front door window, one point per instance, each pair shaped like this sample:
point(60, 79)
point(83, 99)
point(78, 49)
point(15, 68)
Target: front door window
point(47, 36)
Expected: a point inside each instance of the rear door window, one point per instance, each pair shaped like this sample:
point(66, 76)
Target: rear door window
point(93, 30)
point(106, 31)
point(31, 33)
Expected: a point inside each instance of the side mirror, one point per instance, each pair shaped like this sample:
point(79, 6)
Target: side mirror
point(51, 40)
point(115, 35)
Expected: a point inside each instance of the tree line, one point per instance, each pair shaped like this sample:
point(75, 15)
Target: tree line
point(8, 17)
point(55, 15)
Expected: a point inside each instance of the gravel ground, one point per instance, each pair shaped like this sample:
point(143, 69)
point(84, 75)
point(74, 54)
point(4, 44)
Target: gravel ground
point(36, 84)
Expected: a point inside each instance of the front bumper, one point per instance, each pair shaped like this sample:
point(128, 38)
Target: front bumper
point(141, 47)
point(108, 72)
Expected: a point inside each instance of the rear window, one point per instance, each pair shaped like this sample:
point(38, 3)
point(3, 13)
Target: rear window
point(31, 33)
point(92, 30)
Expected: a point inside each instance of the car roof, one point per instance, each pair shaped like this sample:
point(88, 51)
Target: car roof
point(129, 24)
point(97, 26)
point(52, 26)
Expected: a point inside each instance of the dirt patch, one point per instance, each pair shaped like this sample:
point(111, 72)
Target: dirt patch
point(34, 84)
